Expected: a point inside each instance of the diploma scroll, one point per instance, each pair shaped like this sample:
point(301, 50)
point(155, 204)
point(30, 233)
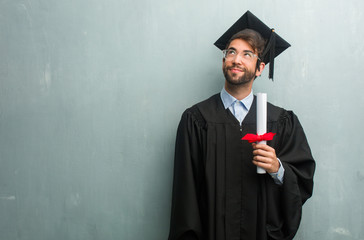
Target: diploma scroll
point(261, 120)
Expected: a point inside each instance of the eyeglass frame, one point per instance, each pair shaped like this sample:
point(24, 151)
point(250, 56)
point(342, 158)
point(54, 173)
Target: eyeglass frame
point(225, 51)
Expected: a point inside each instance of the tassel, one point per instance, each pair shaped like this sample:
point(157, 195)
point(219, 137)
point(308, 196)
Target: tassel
point(272, 54)
point(270, 47)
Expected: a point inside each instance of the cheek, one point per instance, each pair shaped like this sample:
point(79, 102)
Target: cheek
point(253, 67)
point(226, 64)
point(223, 64)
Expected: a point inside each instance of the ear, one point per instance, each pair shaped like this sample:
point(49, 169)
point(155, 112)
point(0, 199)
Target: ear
point(259, 70)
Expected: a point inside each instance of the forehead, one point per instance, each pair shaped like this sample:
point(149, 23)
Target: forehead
point(240, 45)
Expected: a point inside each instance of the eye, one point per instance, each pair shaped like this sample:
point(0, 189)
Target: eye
point(248, 55)
point(231, 52)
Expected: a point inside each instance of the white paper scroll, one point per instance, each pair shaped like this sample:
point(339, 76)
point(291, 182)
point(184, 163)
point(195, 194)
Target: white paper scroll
point(261, 120)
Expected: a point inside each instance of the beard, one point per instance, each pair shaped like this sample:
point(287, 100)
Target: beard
point(233, 78)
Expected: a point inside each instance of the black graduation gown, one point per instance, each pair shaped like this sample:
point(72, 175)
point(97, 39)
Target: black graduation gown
point(217, 194)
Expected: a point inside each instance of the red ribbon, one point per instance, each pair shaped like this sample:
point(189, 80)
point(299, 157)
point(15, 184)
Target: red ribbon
point(257, 138)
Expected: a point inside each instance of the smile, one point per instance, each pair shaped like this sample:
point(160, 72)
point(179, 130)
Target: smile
point(236, 70)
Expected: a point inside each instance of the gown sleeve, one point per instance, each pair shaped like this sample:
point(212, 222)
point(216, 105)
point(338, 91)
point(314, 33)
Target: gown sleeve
point(295, 153)
point(285, 210)
point(185, 221)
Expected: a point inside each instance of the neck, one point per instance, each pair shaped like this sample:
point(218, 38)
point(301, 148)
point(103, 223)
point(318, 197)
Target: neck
point(239, 91)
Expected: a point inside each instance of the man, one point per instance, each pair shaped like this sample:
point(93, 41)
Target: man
point(217, 193)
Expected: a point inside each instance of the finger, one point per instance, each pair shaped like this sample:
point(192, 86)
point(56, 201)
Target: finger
point(264, 153)
point(269, 167)
point(263, 159)
point(263, 147)
point(261, 164)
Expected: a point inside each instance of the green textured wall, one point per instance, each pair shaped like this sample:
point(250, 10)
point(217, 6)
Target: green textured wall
point(91, 93)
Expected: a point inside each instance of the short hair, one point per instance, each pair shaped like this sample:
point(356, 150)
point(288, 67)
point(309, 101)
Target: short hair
point(253, 38)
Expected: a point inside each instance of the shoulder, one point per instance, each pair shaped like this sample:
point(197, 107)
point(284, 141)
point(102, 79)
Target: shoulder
point(209, 104)
point(286, 120)
point(279, 114)
point(203, 110)
point(197, 112)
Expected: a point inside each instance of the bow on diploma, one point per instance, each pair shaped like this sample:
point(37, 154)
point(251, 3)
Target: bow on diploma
point(257, 138)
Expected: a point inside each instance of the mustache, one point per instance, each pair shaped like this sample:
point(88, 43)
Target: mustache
point(237, 67)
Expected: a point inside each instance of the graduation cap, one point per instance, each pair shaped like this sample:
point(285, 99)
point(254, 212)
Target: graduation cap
point(275, 44)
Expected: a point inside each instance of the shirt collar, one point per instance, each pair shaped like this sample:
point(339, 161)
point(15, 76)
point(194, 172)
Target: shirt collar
point(228, 100)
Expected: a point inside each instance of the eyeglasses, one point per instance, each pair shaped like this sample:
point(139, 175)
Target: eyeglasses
point(246, 55)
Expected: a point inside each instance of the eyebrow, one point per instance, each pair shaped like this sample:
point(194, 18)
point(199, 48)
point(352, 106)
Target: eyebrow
point(248, 51)
point(232, 48)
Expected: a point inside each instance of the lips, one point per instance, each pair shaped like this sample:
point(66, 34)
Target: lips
point(236, 69)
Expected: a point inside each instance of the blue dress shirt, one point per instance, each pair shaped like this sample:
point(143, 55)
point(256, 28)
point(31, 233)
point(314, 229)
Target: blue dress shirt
point(240, 108)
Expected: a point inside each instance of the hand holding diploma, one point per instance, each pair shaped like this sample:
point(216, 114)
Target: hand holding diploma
point(265, 158)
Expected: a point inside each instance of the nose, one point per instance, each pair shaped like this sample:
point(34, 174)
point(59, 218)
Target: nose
point(238, 59)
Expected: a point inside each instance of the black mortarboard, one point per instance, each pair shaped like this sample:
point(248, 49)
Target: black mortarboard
point(275, 44)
